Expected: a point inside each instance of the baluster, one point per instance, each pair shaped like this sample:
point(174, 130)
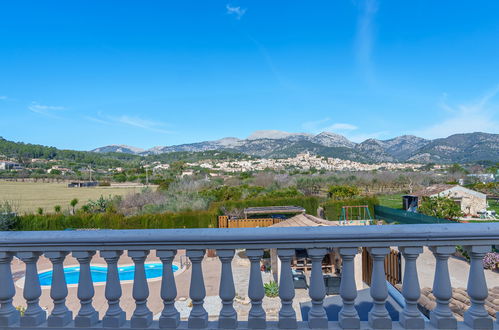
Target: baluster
point(34, 314)
point(378, 316)
point(256, 292)
point(142, 316)
point(170, 317)
point(287, 314)
point(476, 316)
point(411, 317)
point(348, 316)
point(228, 315)
point(441, 316)
point(317, 318)
point(60, 315)
point(198, 318)
point(8, 314)
point(87, 315)
point(115, 316)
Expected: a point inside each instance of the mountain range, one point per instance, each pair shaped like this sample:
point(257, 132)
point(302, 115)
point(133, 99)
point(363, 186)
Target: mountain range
point(462, 148)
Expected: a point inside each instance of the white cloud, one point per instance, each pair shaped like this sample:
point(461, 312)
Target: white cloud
point(237, 11)
point(341, 127)
point(45, 110)
point(324, 125)
point(365, 37)
point(477, 116)
point(142, 123)
point(132, 121)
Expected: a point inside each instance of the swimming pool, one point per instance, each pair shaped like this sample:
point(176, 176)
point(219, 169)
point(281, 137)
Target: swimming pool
point(153, 270)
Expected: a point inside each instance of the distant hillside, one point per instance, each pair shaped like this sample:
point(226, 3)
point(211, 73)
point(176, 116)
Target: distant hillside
point(115, 155)
point(461, 148)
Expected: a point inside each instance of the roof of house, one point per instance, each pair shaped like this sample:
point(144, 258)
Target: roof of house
point(440, 188)
point(433, 189)
point(460, 301)
point(305, 220)
point(274, 210)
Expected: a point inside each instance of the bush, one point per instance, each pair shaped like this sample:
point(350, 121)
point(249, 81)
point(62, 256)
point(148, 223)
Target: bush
point(332, 208)
point(342, 192)
point(491, 260)
point(440, 207)
point(8, 216)
point(271, 289)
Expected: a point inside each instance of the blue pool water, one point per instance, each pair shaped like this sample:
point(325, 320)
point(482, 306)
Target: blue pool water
point(99, 273)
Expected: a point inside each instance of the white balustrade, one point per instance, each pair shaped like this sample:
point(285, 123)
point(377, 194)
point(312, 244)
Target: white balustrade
point(8, 314)
point(142, 316)
point(228, 315)
point(170, 317)
point(378, 316)
point(115, 316)
point(287, 314)
point(317, 318)
point(476, 316)
point(198, 319)
point(87, 315)
point(441, 316)
point(34, 314)
point(61, 315)
point(29, 246)
point(256, 292)
point(348, 316)
point(411, 317)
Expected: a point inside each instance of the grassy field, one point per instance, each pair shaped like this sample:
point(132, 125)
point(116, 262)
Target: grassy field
point(393, 201)
point(493, 205)
point(29, 196)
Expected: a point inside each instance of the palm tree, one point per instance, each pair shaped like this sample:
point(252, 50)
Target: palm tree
point(73, 203)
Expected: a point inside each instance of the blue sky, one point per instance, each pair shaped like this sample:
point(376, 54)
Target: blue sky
point(83, 74)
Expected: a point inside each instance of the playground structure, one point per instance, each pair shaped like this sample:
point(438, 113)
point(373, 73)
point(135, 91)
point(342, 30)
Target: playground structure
point(355, 215)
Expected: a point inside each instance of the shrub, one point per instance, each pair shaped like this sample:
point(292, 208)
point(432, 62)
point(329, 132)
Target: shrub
point(491, 260)
point(271, 289)
point(342, 192)
point(8, 216)
point(440, 207)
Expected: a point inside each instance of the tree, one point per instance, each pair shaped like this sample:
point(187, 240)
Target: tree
point(57, 209)
point(440, 207)
point(73, 204)
point(342, 192)
point(39, 211)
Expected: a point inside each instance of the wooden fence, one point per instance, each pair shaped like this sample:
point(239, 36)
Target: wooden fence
point(393, 268)
point(225, 222)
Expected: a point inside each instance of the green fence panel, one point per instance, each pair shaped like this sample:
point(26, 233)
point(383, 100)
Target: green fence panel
point(403, 217)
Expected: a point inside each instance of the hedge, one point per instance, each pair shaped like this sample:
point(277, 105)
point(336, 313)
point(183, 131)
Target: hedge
point(332, 208)
point(189, 219)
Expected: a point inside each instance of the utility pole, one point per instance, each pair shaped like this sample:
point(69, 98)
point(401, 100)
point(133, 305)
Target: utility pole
point(147, 178)
point(90, 172)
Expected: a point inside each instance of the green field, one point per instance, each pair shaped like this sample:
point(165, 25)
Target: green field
point(493, 205)
point(29, 196)
point(393, 200)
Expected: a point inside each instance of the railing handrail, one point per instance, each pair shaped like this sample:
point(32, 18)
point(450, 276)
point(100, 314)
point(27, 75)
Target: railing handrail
point(216, 238)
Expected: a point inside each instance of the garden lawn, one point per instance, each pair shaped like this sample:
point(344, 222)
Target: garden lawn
point(394, 200)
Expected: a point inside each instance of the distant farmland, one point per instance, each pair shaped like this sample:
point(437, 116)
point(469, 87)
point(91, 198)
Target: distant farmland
point(29, 196)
